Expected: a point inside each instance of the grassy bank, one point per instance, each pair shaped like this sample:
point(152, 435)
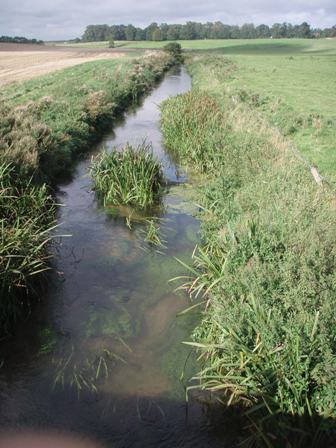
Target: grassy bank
point(266, 266)
point(45, 124)
point(27, 217)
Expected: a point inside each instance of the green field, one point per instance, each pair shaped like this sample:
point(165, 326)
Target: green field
point(294, 76)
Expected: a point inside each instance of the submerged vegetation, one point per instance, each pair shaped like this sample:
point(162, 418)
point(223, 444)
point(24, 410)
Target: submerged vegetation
point(130, 176)
point(265, 268)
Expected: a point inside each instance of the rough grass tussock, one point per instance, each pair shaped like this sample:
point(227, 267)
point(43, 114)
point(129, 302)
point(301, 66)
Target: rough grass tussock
point(131, 176)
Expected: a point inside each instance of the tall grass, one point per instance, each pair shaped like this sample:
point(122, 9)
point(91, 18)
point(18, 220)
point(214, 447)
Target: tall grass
point(46, 123)
point(26, 218)
point(266, 268)
point(131, 176)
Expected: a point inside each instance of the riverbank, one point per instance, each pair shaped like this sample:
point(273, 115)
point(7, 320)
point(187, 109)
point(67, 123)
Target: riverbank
point(266, 265)
point(45, 125)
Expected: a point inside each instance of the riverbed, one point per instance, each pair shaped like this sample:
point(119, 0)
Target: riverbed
point(102, 354)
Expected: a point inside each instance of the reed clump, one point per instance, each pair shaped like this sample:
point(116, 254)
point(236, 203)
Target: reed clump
point(266, 269)
point(130, 176)
point(26, 218)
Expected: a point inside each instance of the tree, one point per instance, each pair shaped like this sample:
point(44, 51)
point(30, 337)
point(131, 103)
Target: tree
point(247, 31)
point(130, 32)
point(157, 36)
point(263, 31)
point(173, 32)
point(304, 30)
point(140, 34)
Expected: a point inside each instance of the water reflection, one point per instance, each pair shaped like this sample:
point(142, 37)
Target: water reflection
point(102, 355)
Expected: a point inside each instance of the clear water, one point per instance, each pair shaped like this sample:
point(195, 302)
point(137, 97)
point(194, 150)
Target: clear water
point(102, 354)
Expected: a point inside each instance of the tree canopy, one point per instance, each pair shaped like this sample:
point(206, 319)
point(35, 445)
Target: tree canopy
point(209, 30)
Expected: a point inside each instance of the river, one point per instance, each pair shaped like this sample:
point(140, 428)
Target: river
point(102, 354)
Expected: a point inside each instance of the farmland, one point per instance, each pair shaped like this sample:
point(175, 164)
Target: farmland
point(19, 63)
point(260, 114)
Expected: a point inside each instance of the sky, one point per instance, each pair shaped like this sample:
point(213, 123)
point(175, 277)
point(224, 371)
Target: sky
point(66, 19)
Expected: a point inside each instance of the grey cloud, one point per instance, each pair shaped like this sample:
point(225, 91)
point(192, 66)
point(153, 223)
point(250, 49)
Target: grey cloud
point(62, 19)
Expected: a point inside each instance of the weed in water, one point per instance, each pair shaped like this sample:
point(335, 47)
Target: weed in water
point(131, 176)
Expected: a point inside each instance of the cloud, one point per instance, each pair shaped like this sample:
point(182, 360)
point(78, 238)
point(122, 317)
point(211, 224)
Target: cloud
point(63, 19)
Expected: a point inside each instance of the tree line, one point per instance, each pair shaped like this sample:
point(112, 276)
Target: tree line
point(209, 30)
point(20, 40)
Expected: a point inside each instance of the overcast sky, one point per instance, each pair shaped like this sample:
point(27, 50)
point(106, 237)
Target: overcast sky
point(64, 19)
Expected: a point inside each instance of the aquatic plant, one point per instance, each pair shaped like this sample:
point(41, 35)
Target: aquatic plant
point(193, 129)
point(128, 176)
point(83, 374)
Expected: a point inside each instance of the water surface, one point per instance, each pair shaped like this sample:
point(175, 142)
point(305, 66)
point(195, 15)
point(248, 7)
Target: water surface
point(102, 354)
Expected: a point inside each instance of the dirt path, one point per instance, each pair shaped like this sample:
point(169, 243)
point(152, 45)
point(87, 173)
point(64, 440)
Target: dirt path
point(21, 62)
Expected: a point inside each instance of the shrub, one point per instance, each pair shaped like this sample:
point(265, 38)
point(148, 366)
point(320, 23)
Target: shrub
point(175, 50)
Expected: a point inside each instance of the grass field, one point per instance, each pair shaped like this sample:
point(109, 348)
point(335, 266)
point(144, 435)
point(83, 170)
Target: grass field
point(293, 79)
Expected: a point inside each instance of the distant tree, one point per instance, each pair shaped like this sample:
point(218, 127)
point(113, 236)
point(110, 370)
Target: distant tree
point(247, 31)
point(164, 28)
point(111, 43)
point(235, 32)
point(130, 32)
point(195, 30)
point(156, 35)
point(262, 31)
point(173, 32)
point(140, 34)
point(304, 30)
point(150, 30)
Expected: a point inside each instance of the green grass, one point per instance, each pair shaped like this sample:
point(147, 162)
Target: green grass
point(131, 176)
point(266, 265)
point(62, 114)
point(45, 124)
point(27, 216)
point(231, 46)
point(293, 86)
point(294, 80)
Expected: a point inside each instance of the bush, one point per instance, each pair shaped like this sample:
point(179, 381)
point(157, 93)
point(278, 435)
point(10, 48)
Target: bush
point(130, 176)
point(175, 50)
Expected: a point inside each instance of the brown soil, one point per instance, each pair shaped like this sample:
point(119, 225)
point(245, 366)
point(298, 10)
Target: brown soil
point(19, 62)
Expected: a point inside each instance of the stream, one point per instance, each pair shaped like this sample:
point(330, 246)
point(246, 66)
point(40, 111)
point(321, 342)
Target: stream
point(102, 354)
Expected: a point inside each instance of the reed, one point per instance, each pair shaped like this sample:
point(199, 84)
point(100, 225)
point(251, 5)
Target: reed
point(131, 176)
point(27, 217)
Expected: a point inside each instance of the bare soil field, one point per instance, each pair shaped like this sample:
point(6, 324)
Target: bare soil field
point(19, 62)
